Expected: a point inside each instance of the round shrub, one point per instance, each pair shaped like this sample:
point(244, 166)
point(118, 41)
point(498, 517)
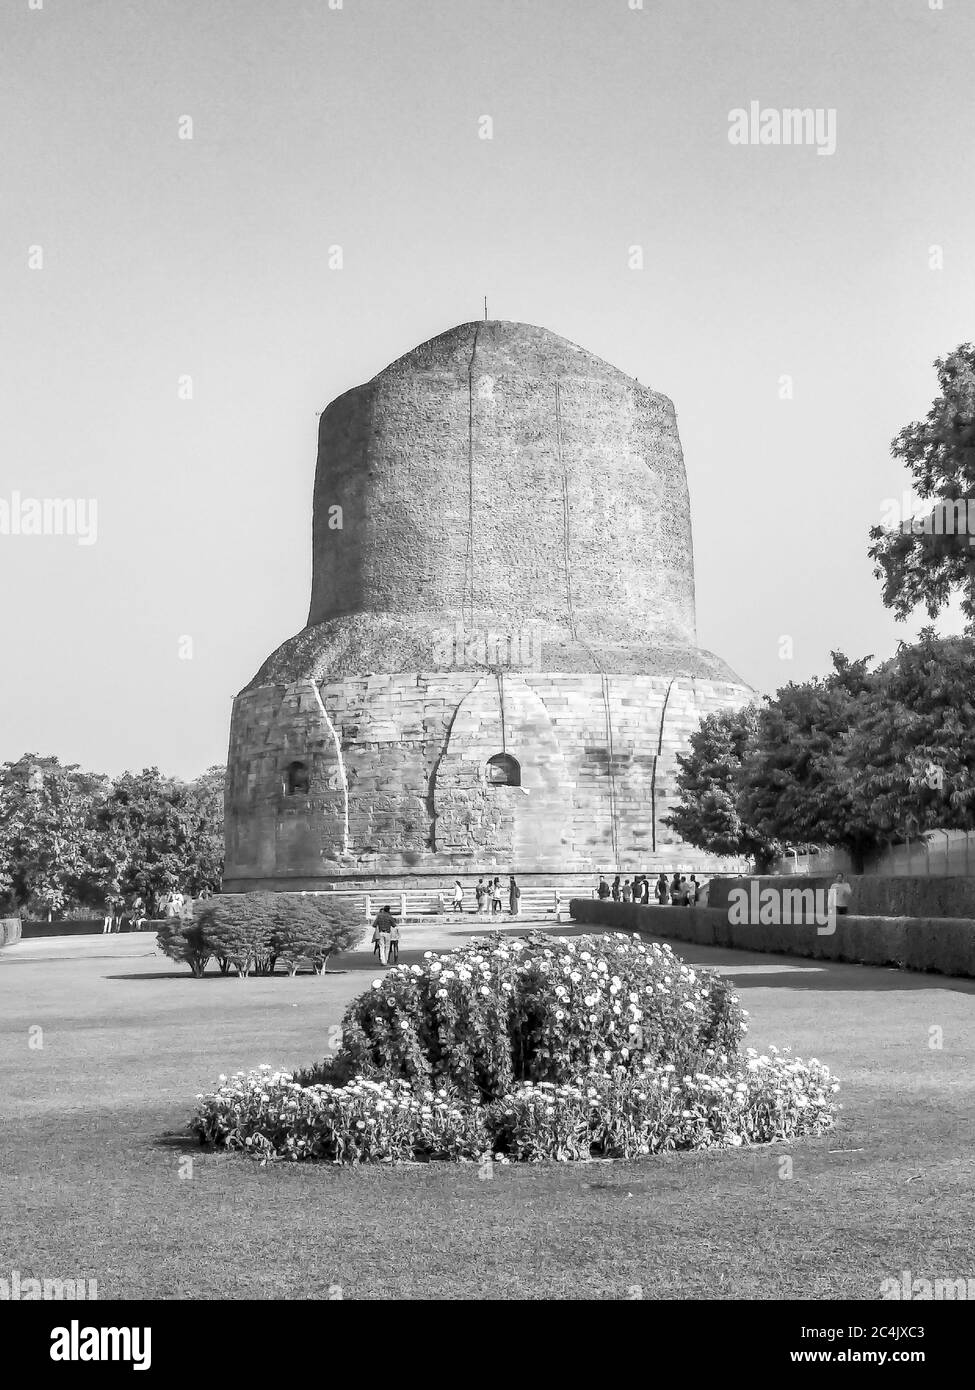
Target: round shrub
point(499, 1011)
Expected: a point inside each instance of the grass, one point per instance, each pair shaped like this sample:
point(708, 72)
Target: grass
point(91, 1184)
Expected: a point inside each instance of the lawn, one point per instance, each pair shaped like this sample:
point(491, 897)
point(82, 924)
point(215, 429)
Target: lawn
point(92, 1151)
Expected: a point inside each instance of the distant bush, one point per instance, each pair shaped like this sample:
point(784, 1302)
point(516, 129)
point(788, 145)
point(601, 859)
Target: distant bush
point(182, 939)
point(252, 931)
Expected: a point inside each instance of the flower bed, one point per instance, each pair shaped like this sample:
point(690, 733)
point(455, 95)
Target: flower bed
point(526, 1050)
point(626, 1113)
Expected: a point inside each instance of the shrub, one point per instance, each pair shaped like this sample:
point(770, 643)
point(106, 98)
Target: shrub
point(313, 929)
point(238, 928)
point(182, 939)
point(539, 1008)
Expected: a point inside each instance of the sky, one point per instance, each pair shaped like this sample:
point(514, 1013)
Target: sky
point(172, 320)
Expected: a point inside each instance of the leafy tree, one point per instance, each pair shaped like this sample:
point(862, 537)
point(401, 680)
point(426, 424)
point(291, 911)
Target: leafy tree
point(46, 833)
point(913, 757)
point(797, 784)
point(920, 566)
point(159, 834)
point(710, 784)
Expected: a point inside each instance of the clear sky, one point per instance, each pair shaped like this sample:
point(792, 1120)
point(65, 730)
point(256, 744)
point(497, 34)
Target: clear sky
point(312, 127)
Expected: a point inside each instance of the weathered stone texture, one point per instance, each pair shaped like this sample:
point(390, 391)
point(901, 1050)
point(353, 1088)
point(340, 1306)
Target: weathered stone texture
point(513, 572)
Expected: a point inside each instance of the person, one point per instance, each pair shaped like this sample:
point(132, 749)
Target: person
point(514, 893)
point(458, 903)
point(702, 893)
point(479, 893)
point(137, 913)
point(382, 929)
point(627, 892)
point(394, 942)
point(675, 890)
point(602, 890)
point(840, 894)
point(693, 889)
point(639, 888)
point(661, 891)
point(616, 889)
point(495, 896)
point(685, 892)
point(174, 903)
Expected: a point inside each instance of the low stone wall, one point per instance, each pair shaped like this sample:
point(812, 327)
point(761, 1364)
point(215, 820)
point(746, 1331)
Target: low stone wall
point(9, 930)
point(945, 945)
point(873, 896)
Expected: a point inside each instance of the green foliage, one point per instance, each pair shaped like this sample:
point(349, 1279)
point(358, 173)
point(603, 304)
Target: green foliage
point(539, 1008)
point(47, 838)
point(71, 839)
point(797, 785)
point(181, 939)
point(710, 783)
point(939, 452)
point(252, 931)
point(912, 759)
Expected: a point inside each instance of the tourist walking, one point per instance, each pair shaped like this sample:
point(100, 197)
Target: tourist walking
point(382, 930)
point(495, 896)
point(458, 903)
point(514, 893)
point(661, 890)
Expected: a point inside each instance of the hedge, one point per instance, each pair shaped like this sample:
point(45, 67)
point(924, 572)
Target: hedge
point(874, 895)
point(943, 945)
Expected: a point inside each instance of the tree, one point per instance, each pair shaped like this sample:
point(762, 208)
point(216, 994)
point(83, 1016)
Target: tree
point(46, 832)
point(797, 784)
point(920, 563)
point(159, 834)
point(913, 758)
point(709, 781)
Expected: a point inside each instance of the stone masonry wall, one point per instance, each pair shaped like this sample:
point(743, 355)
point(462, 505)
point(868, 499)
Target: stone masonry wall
point(397, 779)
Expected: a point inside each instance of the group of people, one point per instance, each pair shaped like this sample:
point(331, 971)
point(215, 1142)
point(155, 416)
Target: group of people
point(489, 897)
point(136, 913)
point(385, 936)
point(678, 891)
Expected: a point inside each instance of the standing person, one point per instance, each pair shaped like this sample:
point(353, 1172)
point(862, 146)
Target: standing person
point(627, 892)
point(602, 890)
point(675, 890)
point(382, 929)
point(458, 903)
point(479, 895)
point(661, 891)
point(615, 890)
point(839, 895)
point(693, 888)
point(394, 941)
point(495, 896)
point(137, 913)
point(514, 893)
